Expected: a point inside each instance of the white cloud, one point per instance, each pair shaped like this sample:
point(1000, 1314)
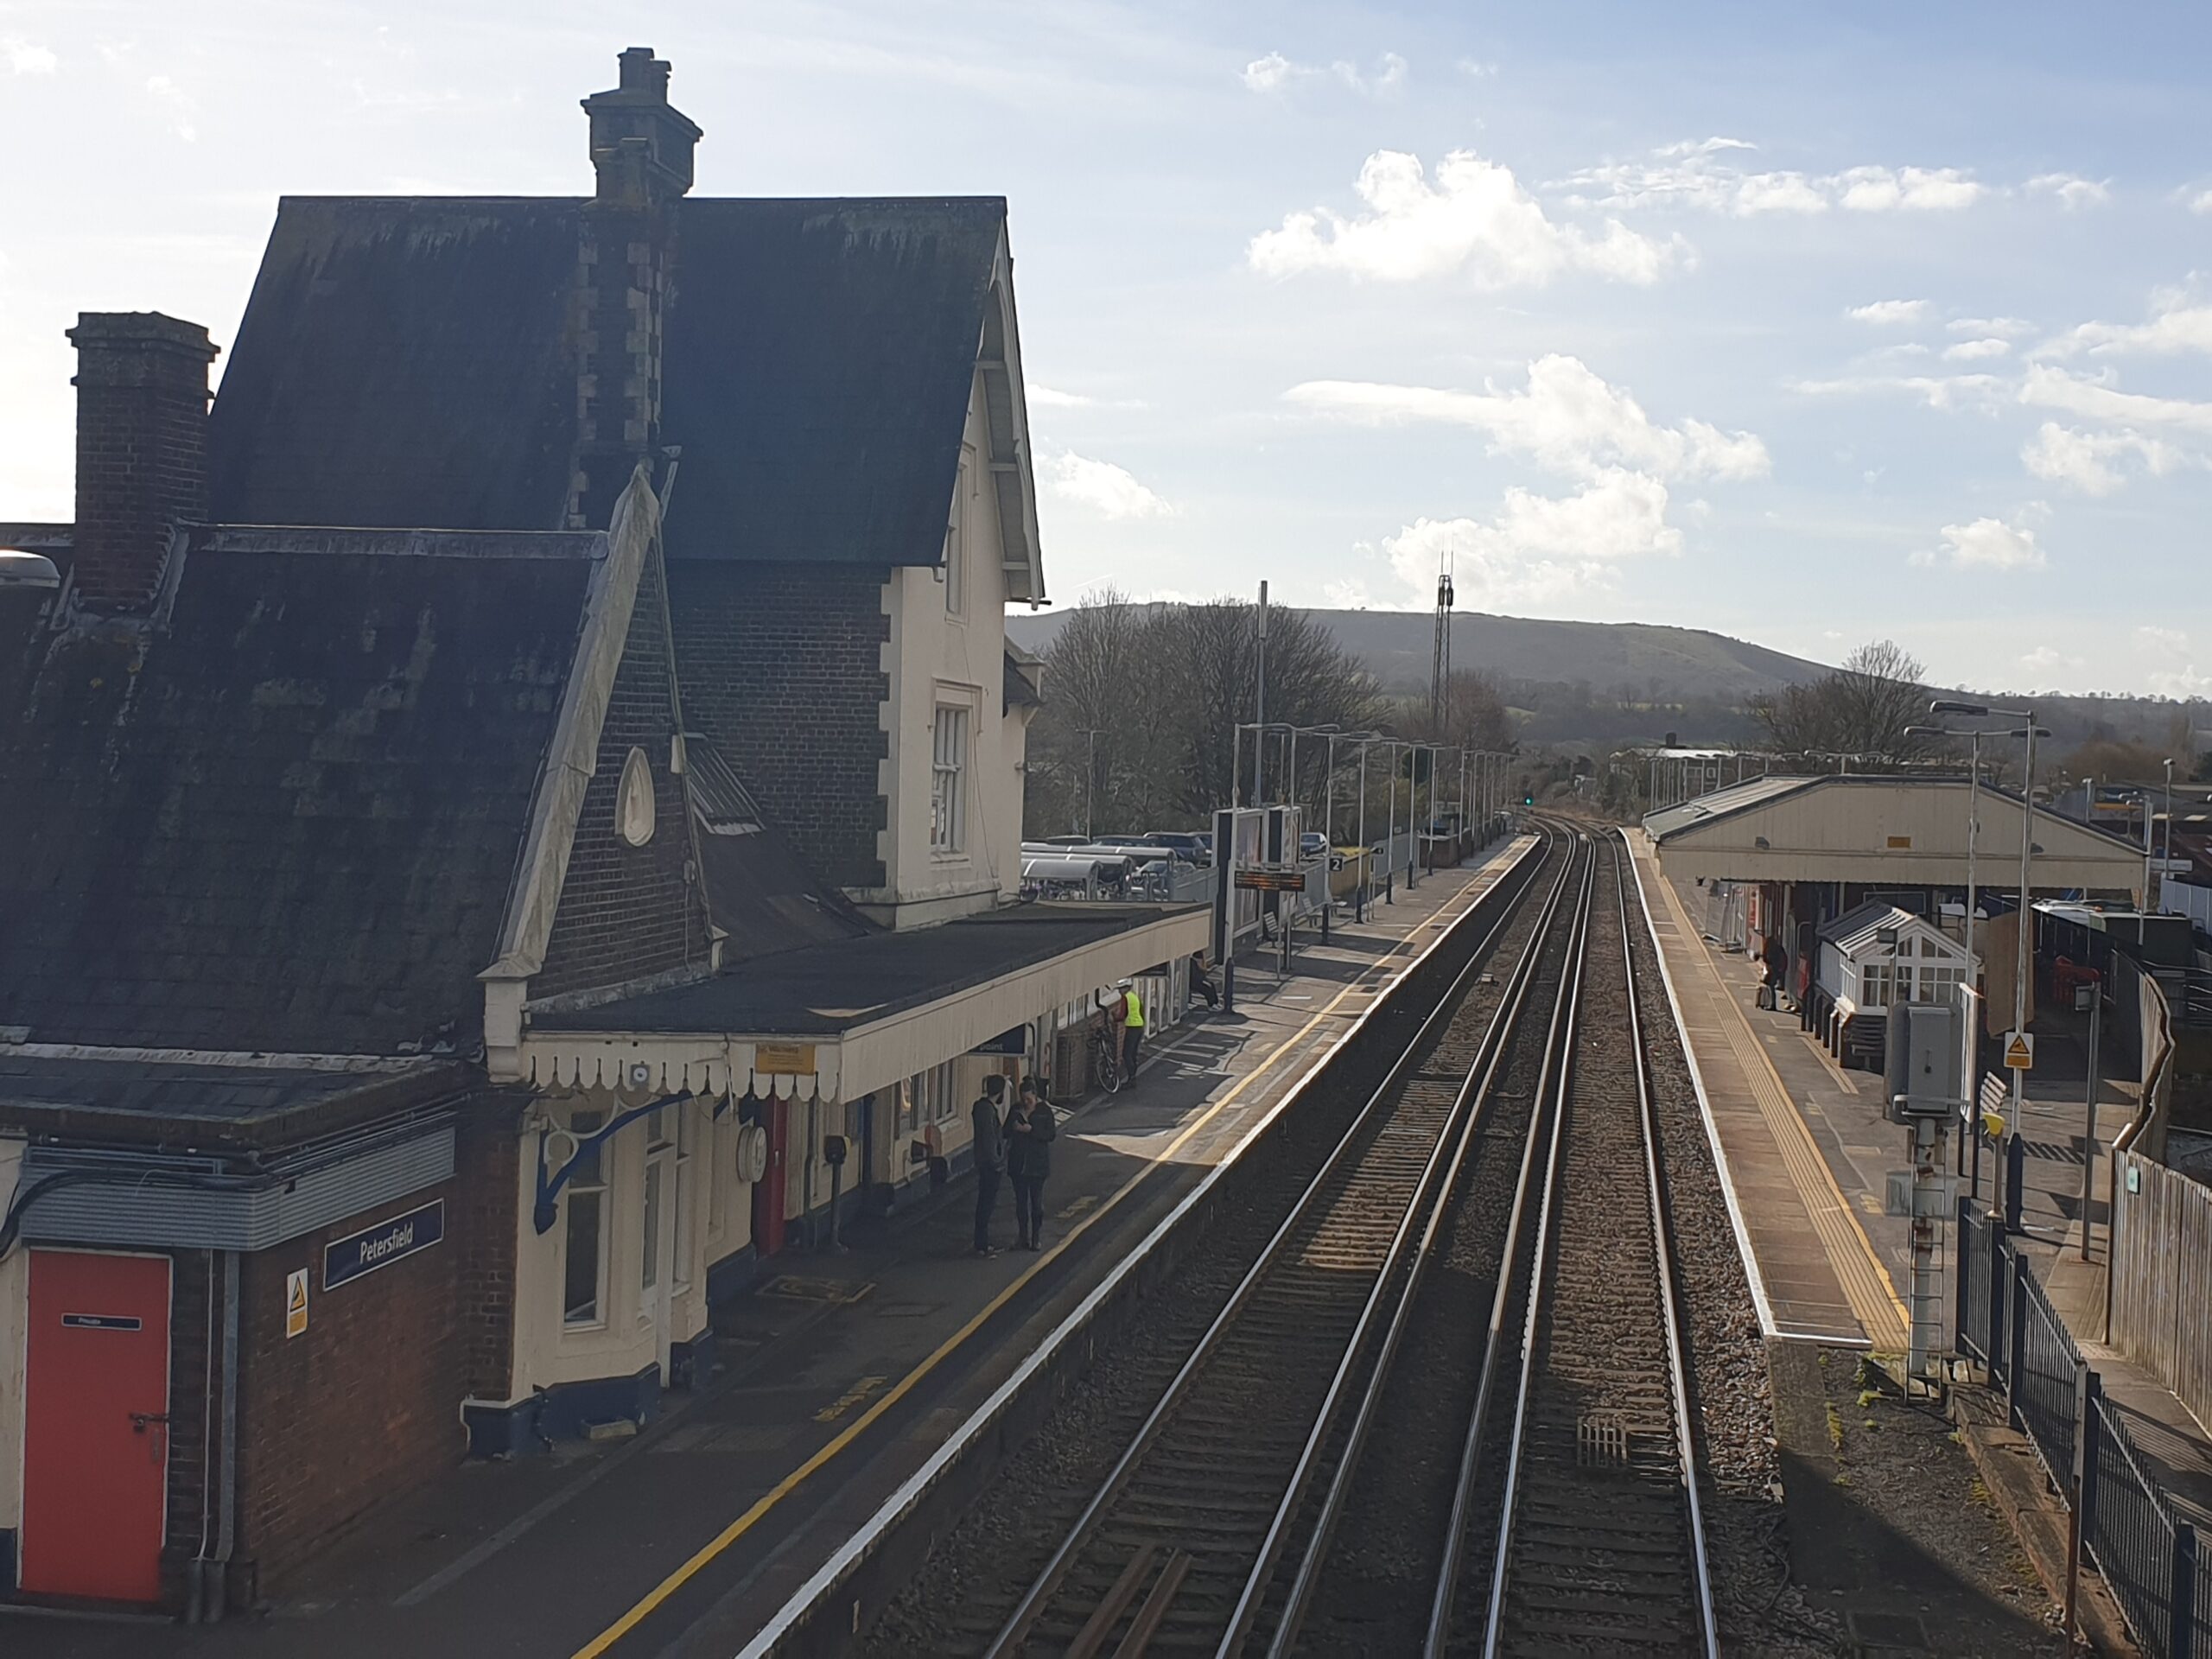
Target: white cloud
point(2049, 388)
point(2178, 679)
point(1937, 391)
point(2202, 203)
point(1991, 543)
point(25, 57)
point(2045, 659)
point(1539, 549)
point(1883, 313)
point(1476, 68)
point(1569, 418)
point(177, 103)
point(2002, 328)
point(1388, 79)
point(1474, 217)
point(1038, 397)
point(1347, 595)
point(2086, 460)
point(1968, 351)
point(1269, 74)
point(2176, 324)
point(1694, 174)
point(1275, 73)
point(2072, 189)
point(1908, 189)
point(1110, 492)
point(1702, 174)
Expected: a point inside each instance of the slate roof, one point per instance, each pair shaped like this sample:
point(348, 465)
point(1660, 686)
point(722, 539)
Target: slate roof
point(409, 361)
point(853, 982)
point(287, 822)
point(758, 888)
point(106, 1099)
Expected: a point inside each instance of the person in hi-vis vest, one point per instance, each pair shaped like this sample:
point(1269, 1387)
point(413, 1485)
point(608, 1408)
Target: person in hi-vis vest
point(1132, 1025)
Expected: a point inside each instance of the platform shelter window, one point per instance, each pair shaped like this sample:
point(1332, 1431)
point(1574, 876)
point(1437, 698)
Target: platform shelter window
point(934, 1096)
point(949, 768)
point(583, 1243)
point(685, 1206)
point(657, 1164)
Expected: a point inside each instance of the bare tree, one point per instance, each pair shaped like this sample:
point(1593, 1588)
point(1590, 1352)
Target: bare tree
point(1859, 711)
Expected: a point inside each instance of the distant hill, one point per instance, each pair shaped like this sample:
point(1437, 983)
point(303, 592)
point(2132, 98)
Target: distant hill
point(1662, 664)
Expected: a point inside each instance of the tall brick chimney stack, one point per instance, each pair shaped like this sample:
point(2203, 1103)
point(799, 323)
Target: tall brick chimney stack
point(142, 450)
point(641, 149)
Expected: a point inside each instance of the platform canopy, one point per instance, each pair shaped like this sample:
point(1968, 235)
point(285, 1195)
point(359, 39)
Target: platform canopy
point(1895, 831)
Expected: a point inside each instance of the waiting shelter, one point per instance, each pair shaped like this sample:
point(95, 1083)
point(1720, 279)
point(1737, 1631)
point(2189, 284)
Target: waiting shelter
point(1872, 956)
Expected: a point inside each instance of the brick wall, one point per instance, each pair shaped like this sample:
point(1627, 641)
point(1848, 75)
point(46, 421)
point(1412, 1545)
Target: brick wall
point(366, 1406)
point(488, 1214)
point(628, 912)
point(783, 668)
point(142, 466)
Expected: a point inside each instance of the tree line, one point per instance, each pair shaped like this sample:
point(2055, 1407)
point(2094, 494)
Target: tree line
point(1142, 704)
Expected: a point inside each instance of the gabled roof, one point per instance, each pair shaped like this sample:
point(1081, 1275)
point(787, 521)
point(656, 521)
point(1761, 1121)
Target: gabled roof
point(1720, 803)
point(413, 361)
point(287, 821)
point(758, 889)
point(1858, 930)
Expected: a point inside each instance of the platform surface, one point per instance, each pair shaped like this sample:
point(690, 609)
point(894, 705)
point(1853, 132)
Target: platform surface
point(832, 1386)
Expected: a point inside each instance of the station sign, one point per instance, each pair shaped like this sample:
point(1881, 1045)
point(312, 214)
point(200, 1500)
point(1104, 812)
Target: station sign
point(2020, 1051)
point(345, 1260)
point(784, 1059)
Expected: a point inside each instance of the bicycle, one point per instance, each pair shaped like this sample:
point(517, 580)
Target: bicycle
point(1105, 1060)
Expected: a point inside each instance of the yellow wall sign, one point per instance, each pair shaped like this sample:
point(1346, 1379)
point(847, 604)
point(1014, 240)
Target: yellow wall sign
point(295, 1303)
point(784, 1059)
point(1901, 843)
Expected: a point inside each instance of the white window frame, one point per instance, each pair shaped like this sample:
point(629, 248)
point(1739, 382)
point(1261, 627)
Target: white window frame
point(597, 1188)
point(951, 744)
point(686, 1220)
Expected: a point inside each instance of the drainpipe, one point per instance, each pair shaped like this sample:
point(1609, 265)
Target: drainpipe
point(196, 1591)
point(227, 1505)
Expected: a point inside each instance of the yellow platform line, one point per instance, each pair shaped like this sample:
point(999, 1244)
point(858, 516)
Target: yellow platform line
point(783, 1489)
point(1873, 1299)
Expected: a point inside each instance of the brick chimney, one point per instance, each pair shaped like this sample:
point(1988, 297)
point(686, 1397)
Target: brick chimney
point(142, 450)
point(641, 149)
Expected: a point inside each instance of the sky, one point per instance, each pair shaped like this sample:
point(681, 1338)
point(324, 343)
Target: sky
point(1802, 327)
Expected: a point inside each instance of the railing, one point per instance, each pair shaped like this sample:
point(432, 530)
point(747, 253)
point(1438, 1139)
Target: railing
point(2149, 1556)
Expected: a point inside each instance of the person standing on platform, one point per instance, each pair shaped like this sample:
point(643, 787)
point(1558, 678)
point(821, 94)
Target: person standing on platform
point(990, 1159)
point(1029, 1131)
point(1201, 981)
point(1132, 1027)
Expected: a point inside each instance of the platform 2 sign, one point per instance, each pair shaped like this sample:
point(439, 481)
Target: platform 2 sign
point(346, 1259)
point(1271, 880)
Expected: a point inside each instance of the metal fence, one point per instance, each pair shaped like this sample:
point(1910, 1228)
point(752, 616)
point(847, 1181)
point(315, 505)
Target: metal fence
point(2149, 1556)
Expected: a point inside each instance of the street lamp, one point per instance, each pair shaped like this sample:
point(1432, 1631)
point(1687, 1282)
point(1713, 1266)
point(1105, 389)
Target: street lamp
point(2166, 853)
point(2024, 963)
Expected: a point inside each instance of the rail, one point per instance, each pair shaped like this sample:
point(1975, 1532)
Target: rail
point(1309, 1301)
point(1600, 1533)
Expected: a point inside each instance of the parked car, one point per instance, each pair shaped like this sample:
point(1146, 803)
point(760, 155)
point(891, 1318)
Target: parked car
point(1312, 844)
point(1186, 844)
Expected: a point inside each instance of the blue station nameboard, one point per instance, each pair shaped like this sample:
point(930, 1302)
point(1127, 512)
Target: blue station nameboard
point(348, 1258)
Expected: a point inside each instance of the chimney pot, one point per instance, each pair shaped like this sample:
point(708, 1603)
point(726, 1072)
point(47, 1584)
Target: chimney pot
point(142, 450)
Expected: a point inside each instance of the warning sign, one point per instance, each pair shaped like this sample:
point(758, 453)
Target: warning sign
point(2019, 1051)
point(295, 1303)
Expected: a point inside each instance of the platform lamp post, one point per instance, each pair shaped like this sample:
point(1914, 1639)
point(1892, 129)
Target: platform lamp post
point(2024, 963)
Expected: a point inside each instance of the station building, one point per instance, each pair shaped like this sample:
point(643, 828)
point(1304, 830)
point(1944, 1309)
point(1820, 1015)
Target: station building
point(497, 806)
point(1816, 864)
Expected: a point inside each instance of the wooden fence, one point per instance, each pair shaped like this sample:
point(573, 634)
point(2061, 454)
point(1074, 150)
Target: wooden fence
point(2162, 1277)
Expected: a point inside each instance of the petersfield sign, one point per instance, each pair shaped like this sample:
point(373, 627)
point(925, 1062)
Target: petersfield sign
point(348, 1258)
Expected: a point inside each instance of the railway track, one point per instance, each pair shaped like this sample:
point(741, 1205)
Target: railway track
point(1446, 1409)
point(1599, 1544)
point(1177, 1548)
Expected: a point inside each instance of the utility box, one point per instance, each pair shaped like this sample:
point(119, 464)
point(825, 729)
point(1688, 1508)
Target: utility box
point(1925, 1061)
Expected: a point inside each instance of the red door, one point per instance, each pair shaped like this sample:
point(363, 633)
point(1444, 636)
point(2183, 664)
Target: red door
point(769, 1191)
point(96, 1440)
